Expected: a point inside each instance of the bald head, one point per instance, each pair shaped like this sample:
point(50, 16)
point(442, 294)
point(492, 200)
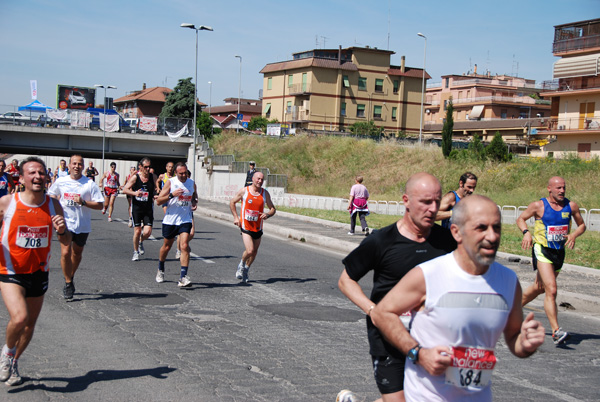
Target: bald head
point(556, 180)
point(420, 181)
point(473, 206)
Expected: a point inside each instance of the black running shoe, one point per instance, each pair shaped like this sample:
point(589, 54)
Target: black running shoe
point(69, 290)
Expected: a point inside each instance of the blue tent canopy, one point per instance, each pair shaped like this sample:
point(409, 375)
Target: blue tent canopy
point(35, 106)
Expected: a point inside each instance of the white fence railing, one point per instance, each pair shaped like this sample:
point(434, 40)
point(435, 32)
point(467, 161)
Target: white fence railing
point(509, 213)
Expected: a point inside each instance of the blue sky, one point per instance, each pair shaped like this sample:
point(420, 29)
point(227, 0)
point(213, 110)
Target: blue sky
point(130, 42)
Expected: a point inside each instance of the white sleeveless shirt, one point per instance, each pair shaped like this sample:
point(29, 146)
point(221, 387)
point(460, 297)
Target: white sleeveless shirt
point(179, 209)
point(468, 313)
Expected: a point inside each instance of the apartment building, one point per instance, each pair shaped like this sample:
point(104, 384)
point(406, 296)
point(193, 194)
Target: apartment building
point(486, 103)
point(574, 126)
point(331, 89)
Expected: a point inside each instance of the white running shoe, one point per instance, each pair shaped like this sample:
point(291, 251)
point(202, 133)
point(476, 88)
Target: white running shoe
point(103, 211)
point(5, 366)
point(141, 248)
point(15, 378)
point(178, 254)
point(136, 256)
point(160, 276)
point(238, 274)
point(245, 276)
point(184, 282)
point(109, 219)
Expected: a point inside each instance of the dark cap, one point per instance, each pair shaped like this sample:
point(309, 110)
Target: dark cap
point(252, 163)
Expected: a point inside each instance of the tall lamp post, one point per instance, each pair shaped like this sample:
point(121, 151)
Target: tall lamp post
point(104, 125)
point(422, 88)
point(200, 28)
point(239, 95)
point(210, 105)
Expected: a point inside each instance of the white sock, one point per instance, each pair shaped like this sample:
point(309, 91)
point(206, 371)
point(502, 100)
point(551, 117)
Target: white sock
point(9, 351)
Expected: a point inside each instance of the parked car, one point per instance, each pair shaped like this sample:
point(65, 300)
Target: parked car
point(77, 98)
point(15, 116)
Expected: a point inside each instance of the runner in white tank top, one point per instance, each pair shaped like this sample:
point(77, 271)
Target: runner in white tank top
point(461, 303)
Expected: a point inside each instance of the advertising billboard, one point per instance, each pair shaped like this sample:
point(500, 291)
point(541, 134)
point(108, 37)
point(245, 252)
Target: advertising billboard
point(74, 97)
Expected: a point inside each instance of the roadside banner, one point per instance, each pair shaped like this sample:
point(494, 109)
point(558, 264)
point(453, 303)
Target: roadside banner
point(109, 121)
point(148, 124)
point(173, 136)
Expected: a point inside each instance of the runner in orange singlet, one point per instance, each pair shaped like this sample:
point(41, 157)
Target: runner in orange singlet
point(253, 199)
point(28, 219)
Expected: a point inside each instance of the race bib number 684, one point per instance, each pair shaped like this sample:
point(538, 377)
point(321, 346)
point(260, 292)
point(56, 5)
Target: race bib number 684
point(471, 368)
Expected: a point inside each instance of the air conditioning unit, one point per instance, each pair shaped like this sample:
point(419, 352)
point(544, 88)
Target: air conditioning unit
point(306, 105)
point(561, 127)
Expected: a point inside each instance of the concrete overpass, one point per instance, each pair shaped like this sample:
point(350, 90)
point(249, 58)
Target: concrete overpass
point(64, 142)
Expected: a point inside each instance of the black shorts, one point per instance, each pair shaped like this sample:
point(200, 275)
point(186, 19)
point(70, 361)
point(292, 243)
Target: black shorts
point(553, 256)
point(79, 238)
point(35, 284)
point(254, 235)
point(142, 217)
point(389, 373)
point(170, 231)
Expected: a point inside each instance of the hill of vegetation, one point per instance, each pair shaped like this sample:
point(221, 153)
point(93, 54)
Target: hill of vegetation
point(327, 166)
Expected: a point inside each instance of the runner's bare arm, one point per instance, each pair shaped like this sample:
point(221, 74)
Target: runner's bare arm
point(570, 243)
point(237, 198)
point(163, 197)
point(522, 337)
point(408, 294)
point(446, 204)
point(531, 211)
point(353, 291)
point(60, 226)
point(269, 203)
point(194, 199)
point(127, 188)
point(4, 203)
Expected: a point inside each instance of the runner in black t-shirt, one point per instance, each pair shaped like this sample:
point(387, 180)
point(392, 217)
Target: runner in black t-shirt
point(390, 253)
point(142, 187)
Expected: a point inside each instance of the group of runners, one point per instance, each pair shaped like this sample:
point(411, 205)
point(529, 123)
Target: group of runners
point(442, 280)
point(453, 300)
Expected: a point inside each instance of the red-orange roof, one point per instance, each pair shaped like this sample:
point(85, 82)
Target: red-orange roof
point(308, 62)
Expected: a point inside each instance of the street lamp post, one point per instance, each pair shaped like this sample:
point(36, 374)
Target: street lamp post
point(104, 125)
point(210, 105)
point(239, 95)
point(200, 28)
point(422, 88)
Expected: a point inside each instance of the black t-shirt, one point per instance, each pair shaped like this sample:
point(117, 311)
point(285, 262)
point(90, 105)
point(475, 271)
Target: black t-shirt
point(146, 201)
point(391, 255)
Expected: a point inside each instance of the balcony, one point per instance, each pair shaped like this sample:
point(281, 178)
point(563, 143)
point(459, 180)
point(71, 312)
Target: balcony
point(576, 45)
point(524, 100)
point(575, 125)
point(297, 114)
point(300, 89)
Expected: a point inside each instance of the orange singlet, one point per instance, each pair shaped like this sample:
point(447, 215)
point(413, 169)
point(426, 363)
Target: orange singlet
point(252, 208)
point(26, 237)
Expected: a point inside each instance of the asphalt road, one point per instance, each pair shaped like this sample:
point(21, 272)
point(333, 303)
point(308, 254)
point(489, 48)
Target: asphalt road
point(289, 335)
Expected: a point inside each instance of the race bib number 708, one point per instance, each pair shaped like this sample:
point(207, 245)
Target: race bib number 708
point(32, 237)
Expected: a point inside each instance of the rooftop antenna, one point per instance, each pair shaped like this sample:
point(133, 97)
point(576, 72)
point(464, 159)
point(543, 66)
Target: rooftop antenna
point(316, 41)
point(488, 62)
point(324, 40)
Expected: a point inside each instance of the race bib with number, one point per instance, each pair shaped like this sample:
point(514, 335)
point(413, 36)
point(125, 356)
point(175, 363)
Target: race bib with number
point(33, 237)
point(251, 216)
point(405, 318)
point(557, 233)
point(184, 200)
point(143, 197)
point(471, 368)
point(70, 198)
point(3, 185)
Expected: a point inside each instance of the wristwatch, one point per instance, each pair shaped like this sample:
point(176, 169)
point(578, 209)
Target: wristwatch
point(171, 195)
point(413, 354)
point(525, 231)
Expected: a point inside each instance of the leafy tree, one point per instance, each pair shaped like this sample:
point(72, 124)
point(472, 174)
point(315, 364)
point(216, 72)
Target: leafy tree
point(204, 123)
point(447, 130)
point(476, 148)
point(180, 102)
point(258, 123)
point(497, 150)
point(364, 128)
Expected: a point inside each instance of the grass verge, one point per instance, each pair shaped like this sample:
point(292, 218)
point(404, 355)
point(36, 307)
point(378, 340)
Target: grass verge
point(586, 252)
